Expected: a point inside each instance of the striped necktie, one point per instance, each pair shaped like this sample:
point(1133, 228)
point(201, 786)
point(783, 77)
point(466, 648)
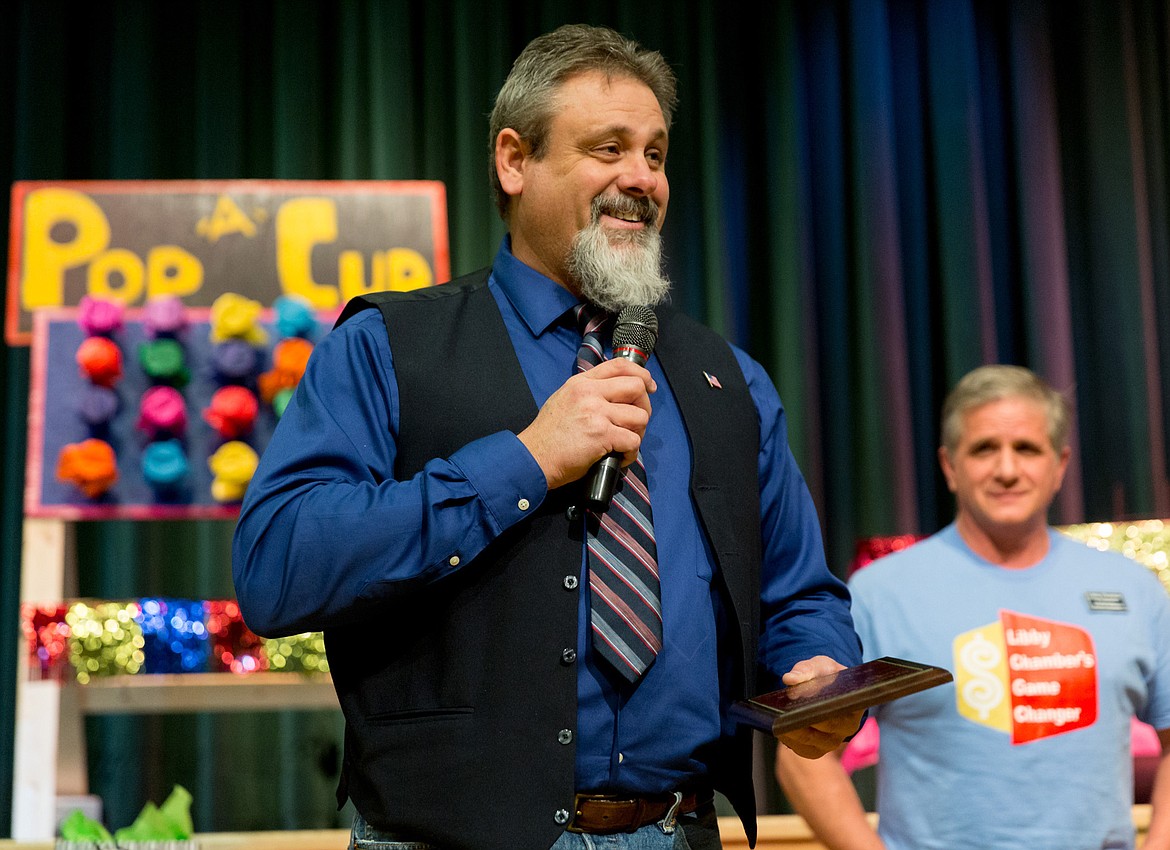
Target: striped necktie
point(625, 604)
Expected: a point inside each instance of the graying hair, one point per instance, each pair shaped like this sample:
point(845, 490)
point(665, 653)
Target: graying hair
point(528, 99)
point(994, 383)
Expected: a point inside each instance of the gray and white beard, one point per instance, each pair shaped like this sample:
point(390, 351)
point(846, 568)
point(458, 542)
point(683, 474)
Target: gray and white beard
point(620, 268)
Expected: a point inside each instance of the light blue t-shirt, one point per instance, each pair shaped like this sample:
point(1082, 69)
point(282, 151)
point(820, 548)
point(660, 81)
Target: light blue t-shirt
point(1030, 746)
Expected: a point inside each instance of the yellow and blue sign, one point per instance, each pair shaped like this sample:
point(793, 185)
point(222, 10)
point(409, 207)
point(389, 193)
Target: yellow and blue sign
point(135, 241)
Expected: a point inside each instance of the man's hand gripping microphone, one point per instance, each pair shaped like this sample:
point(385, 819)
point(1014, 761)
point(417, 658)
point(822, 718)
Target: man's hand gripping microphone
point(634, 336)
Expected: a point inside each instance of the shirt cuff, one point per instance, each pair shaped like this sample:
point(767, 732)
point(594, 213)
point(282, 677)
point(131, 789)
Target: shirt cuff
point(505, 475)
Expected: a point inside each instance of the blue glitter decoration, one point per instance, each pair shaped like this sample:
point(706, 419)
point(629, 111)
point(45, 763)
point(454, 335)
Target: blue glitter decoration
point(175, 635)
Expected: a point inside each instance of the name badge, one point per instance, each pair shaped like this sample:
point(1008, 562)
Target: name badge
point(1105, 600)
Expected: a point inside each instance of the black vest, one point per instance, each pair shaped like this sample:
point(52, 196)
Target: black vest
point(468, 743)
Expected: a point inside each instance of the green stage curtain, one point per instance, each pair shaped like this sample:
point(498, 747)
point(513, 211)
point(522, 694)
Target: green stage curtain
point(871, 197)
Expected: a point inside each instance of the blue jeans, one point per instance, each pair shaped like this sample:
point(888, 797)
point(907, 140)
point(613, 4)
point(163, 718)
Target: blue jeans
point(698, 831)
point(365, 837)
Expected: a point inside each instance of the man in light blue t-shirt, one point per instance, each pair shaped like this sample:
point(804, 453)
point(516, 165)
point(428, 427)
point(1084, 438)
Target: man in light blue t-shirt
point(1054, 646)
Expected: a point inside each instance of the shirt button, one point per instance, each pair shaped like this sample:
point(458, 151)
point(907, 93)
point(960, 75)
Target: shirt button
point(570, 582)
point(621, 757)
point(561, 817)
point(568, 656)
point(565, 736)
point(522, 504)
point(453, 560)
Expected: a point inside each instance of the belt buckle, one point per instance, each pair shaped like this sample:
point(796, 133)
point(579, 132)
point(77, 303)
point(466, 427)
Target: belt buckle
point(638, 804)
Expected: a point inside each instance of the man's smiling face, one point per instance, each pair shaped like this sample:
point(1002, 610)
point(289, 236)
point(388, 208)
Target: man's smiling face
point(1004, 471)
point(605, 160)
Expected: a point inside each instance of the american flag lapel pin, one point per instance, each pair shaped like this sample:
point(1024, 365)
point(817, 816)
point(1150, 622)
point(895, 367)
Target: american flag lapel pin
point(712, 381)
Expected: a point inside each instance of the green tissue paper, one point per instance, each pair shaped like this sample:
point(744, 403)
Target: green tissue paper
point(78, 827)
point(169, 822)
point(177, 809)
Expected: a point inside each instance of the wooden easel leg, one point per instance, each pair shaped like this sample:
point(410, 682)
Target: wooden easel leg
point(49, 751)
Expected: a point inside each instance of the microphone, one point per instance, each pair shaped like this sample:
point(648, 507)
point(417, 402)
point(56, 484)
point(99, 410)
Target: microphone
point(634, 336)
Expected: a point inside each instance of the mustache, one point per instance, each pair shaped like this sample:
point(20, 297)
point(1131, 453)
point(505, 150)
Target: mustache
point(624, 206)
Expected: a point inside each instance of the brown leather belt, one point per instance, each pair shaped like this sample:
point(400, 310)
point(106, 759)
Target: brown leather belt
point(605, 814)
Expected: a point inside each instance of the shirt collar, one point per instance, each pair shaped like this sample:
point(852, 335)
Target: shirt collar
point(538, 300)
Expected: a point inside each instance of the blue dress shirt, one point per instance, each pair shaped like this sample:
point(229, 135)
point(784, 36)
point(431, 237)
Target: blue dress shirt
point(304, 552)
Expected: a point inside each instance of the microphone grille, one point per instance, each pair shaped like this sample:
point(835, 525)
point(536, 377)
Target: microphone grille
point(636, 326)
